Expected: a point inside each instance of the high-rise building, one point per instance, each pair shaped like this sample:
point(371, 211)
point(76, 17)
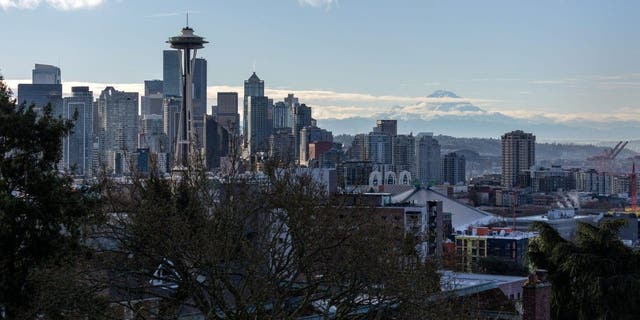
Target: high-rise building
point(280, 115)
point(518, 154)
point(171, 119)
point(428, 162)
point(152, 135)
point(171, 73)
point(118, 131)
point(151, 102)
point(78, 145)
point(258, 124)
point(227, 112)
point(316, 150)
point(188, 43)
point(45, 89)
point(199, 98)
point(308, 135)
point(358, 151)
point(282, 145)
point(301, 117)
point(379, 149)
point(291, 102)
point(404, 153)
point(453, 168)
point(45, 74)
point(216, 142)
point(253, 87)
point(389, 127)
point(153, 86)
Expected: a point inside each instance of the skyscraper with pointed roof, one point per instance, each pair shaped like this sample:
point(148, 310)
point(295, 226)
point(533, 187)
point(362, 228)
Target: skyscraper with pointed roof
point(253, 87)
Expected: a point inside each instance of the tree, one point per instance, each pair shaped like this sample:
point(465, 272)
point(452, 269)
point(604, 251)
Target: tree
point(593, 277)
point(41, 217)
point(273, 246)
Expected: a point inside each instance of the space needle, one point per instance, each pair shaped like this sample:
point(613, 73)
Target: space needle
point(187, 44)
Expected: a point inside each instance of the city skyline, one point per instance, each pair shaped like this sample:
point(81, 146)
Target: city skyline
point(586, 72)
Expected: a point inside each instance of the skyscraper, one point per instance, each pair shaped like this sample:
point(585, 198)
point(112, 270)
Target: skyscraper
point(46, 88)
point(45, 74)
point(379, 148)
point(301, 117)
point(78, 145)
point(518, 154)
point(404, 153)
point(171, 120)
point(311, 134)
point(291, 102)
point(227, 112)
point(428, 162)
point(199, 98)
point(216, 142)
point(253, 87)
point(453, 168)
point(358, 151)
point(171, 73)
point(118, 131)
point(152, 135)
point(153, 86)
point(282, 145)
point(389, 127)
point(259, 124)
point(280, 116)
point(151, 102)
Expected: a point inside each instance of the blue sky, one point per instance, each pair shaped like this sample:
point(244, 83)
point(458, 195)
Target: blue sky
point(567, 60)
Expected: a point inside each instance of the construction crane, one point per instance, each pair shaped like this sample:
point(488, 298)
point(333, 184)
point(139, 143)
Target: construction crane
point(604, 161)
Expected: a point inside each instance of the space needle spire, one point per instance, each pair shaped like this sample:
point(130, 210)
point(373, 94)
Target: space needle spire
point(187, 43)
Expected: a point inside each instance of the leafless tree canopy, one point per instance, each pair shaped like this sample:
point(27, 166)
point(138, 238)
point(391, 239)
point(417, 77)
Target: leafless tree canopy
point(272, 246)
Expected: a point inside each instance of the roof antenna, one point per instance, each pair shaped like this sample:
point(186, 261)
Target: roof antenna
point(187, 19)
point(254, 66)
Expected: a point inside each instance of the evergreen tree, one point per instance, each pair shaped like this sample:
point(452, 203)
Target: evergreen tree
point(593, 277)
point(41, 217)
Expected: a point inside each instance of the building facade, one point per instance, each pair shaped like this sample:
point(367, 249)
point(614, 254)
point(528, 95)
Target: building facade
point(216, 143)
point(453, 168)
point(199, 99)
point(379, 148)
point(518, 154)
point(253, 87)
point(301, 117)
point(78, 145)
point(404, 153)
point(45, 89)
point(428, 161)
point(258, 124)
point(151, 102)
point(226, 112)
point(46, 74)
point(171, 78)
point(389, 127)
point(118, 132)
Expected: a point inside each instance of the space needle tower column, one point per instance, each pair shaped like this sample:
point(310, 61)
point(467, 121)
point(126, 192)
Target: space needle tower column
point(187, 44)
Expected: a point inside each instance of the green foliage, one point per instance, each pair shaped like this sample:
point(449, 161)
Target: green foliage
point(40, 215)
point(593, 277)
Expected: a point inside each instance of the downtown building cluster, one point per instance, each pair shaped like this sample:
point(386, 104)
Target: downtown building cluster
point(384, 157)
point(111, 135)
